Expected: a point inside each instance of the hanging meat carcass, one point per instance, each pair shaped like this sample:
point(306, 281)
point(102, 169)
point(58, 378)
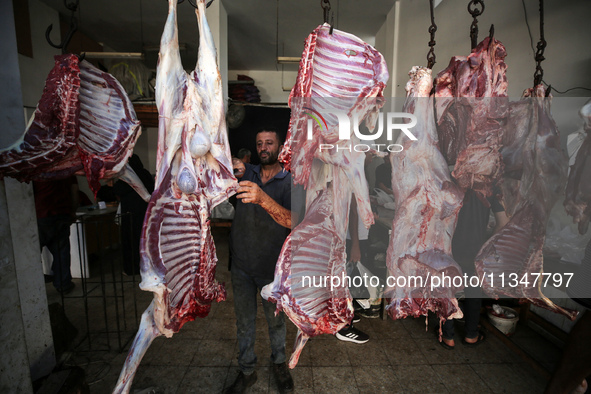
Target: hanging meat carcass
point(194, 174)
point(472, 109)
point(338, 72)
point(578, 188)
point(84, 124)
point(427, 207)
point(512, 259)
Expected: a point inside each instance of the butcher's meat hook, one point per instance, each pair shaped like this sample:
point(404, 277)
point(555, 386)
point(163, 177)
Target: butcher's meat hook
point(73, 27)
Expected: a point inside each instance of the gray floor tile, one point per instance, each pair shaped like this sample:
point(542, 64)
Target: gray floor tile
point(334, 380)
point(509, 378)
point(369, 353)
point(376, 379)
point(166, 379)
point(221, 329)
point(172, 351)
point(203, 380)
point(460, 379)
point(419, 379)
point(303, 380)
point(330, 353)
point(403, 352)
point(214, 353)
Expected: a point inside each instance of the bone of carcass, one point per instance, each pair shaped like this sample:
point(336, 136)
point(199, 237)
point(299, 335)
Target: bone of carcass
point(338, 71)
point(516, 249)
point(194, 174)
point(84, 124)
point(427, 207)
point(472, 108)
point(578, 188)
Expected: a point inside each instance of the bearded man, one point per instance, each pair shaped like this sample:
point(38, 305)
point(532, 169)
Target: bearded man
point(261, 223)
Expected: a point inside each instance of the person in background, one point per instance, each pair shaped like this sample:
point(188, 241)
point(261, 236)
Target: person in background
point(244, 155)
point(261, 223)
point(468, 238)
point(384, 176)
point(55, 205)
point(133, 210)
point(357, 251)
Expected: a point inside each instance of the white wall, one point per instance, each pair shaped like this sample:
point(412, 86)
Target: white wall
point(34, 70)
point(567, 32)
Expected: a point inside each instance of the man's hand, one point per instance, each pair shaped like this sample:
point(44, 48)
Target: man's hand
point(355, 253)
point(250, 192)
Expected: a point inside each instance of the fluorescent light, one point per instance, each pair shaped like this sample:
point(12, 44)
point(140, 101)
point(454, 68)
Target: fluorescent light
point(113, 55)
point(285, 59)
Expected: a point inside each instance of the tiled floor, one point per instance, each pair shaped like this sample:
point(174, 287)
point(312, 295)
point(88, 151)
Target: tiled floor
point(401, 356)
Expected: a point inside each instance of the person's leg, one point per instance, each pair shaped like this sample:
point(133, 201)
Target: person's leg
point(448, 333)
point(59, 246)
point(245, 307)
point(276, 325)
point(472, 306)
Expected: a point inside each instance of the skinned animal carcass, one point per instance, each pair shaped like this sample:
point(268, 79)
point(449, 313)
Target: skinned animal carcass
point(426, 213)
point(84, 124)
point(511, 261)
point(194, 174)
point(338, 72)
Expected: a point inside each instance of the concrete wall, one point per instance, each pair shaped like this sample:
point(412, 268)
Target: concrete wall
point(26, 350)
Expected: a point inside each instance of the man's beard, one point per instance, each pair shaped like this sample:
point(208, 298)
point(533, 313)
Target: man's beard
point(271, 157)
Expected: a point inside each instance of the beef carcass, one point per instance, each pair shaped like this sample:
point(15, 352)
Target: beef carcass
point(194, 174)
point(84, 124)
point(472, 109)
point(515, 251)
point(427, 207)
point(578, 188)
point(338, 72)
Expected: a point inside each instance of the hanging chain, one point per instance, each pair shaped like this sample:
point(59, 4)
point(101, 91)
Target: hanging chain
point(325, 4)
point(539, 73)
point(432, 29)
point(475, 12)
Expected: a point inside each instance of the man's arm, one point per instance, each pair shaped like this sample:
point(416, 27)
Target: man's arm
point(250, 192)
point(501, 219)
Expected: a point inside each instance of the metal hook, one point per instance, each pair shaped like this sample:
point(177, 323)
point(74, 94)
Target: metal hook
point(325, 4)
point(491, 32)
point(73, 28)
point(432, 29)
point(547, 94)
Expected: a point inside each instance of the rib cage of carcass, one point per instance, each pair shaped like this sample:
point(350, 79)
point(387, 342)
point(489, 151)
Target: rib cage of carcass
point(338, 71)
point(427, 207)
point(84, 124)
point(194, 174)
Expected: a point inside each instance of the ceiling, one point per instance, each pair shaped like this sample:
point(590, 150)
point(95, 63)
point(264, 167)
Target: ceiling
point(258, 30)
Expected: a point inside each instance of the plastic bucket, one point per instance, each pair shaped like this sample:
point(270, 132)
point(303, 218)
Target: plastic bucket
point(503, 324)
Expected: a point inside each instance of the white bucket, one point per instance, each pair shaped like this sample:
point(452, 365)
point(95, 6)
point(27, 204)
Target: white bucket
point(503, 324)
